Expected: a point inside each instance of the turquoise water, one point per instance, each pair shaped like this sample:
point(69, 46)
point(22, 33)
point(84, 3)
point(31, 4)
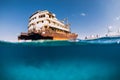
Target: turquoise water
point(60, 60)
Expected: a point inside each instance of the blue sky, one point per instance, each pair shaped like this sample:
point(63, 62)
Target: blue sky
point(86, 17)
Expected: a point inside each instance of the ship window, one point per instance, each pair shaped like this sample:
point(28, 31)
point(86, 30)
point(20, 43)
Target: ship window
point(48, 21)
point(41, 16)
point(37, 22)
point(54, 23)
point(45, 26)
point(49, 16)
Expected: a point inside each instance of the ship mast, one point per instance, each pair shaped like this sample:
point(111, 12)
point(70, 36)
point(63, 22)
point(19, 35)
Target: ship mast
point(118, 31)
point(65, 20)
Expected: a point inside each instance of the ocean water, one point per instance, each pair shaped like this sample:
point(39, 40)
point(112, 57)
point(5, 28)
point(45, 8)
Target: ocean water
point(60, 60)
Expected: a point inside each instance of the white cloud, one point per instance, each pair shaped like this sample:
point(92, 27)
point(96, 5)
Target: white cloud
point(118, 18)
point(83, 14)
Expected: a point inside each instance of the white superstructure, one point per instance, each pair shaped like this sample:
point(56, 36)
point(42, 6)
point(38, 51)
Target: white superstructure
point(44, 19)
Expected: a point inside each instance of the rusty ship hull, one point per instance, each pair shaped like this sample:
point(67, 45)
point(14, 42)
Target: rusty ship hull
point(47, 35)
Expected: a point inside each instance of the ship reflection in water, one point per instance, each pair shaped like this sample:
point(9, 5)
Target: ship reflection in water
point(60, 60)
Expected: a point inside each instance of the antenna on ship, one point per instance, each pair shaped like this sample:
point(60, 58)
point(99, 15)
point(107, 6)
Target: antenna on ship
point(67, 23)
point(65, 20)
point(118, 30)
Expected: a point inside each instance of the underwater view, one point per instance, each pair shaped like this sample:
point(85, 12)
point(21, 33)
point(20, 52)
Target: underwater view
point(60, 60)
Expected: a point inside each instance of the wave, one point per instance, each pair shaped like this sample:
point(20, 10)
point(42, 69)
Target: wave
point(104, 40)
point(60, 60)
